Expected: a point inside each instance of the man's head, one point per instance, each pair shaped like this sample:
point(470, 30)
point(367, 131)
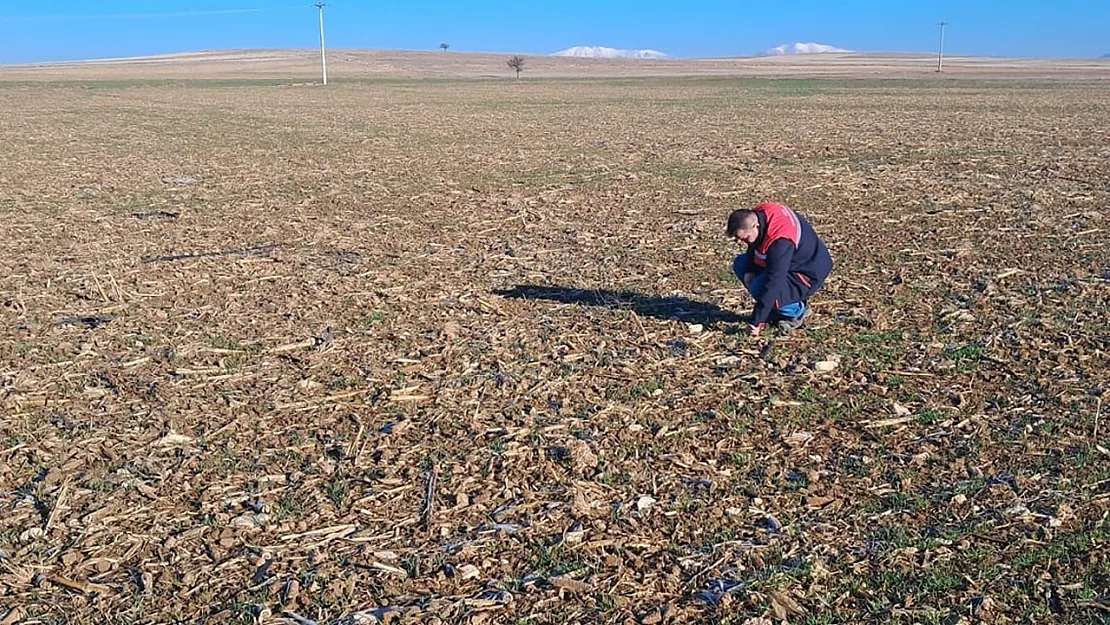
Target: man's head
point(743, 225)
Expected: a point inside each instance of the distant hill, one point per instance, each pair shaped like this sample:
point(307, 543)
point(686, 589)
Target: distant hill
point(302, 67)
point(1105, 56)
point(803, 48)
point(601, 52)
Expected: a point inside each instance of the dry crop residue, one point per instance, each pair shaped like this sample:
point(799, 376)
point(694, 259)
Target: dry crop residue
point(466, 351)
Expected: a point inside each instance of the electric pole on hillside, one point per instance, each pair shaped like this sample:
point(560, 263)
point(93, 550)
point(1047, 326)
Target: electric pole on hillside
point(323, 56)
point(940, 51)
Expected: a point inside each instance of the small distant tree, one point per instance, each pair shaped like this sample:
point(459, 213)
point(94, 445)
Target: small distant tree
point(444, 46)
point(517, 63)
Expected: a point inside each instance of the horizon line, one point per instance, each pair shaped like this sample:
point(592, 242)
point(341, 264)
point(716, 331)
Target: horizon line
point(554, 55)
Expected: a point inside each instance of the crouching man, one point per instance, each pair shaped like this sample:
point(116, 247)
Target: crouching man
point(785, 264)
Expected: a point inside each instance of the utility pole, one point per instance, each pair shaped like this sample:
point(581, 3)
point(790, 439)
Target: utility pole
point(323, 56)
point(940, 51)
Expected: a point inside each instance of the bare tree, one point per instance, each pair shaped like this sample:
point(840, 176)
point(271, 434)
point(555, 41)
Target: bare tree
point(444, 46)
point(517, 63)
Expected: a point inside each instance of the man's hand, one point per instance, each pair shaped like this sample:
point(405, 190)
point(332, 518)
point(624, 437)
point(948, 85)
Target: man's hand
point(748, 277)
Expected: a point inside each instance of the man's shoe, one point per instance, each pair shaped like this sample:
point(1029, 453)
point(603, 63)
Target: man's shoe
point(787, 325)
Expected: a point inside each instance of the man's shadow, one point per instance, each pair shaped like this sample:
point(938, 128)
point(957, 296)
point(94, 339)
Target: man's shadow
point(669, 308)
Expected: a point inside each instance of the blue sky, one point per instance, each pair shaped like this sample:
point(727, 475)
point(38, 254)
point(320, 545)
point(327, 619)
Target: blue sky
point(52, 30)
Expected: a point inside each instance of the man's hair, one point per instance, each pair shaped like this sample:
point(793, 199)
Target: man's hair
point(740, 219)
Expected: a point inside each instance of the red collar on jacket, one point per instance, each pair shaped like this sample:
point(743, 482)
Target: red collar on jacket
point(776, 221)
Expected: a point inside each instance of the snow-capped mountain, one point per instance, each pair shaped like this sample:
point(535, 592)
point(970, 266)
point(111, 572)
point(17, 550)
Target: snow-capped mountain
point(602, 52)
point(803, 48)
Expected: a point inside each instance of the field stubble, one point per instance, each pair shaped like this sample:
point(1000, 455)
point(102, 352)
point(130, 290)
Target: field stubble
point(467, 351)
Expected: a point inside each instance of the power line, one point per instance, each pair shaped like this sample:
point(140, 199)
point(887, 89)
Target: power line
point(74, 17)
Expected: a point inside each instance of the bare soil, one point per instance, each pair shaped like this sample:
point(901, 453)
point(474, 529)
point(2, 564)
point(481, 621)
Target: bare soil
point(447, 351)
